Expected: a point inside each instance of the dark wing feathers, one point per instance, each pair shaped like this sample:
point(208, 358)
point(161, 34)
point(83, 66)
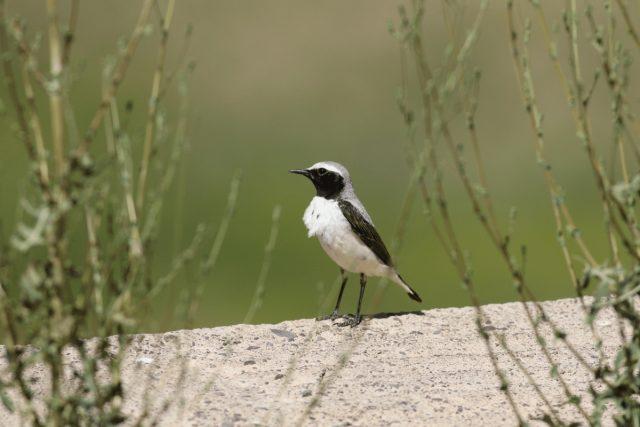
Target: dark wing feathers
point(365, 231)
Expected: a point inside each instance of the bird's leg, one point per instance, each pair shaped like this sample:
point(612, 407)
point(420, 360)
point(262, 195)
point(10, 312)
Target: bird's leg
point(355, 321)
point(334, 315)
point(363, 284)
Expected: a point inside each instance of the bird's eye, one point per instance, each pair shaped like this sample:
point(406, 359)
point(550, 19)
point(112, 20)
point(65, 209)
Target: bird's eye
point(322, 171)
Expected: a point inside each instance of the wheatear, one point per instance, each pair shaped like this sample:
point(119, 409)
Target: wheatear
point(345, 231)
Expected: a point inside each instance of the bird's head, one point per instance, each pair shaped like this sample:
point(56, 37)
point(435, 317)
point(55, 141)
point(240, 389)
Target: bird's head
point(329, 178)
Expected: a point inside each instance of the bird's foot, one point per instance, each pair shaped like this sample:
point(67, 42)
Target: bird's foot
point(349, 320)
point(333, 316)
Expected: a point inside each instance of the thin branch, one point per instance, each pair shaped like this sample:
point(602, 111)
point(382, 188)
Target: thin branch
point(426, 84)
point(55, 88)
point(627, 19)
point(514, 357)
point(471, 107)
point(34, 118)
point(179, 64)
point(123, 157)
point(582, 127)
point(153, 105)
point(258, 296)
point(41, 173)
point(524, 78)
point(70, 32)
point(230, 209)
point(118, 75)
point(10, 80)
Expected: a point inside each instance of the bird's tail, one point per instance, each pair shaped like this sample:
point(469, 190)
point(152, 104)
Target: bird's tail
point(412, 294)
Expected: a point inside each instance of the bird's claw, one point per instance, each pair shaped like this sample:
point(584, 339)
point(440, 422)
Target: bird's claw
point(352, 321)
point(333, 316)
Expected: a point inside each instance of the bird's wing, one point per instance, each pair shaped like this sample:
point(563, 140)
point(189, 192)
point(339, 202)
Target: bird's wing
point(365, 231)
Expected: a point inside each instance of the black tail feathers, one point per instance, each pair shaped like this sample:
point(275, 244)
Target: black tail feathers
point(412, 294)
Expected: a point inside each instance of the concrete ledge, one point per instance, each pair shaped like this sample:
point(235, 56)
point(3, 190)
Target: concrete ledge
point(423, 368)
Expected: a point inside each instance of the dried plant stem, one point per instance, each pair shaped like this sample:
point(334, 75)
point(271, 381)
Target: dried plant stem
point(10, 80)
point(583, 124)
point(523, 76)
point(417, 165)
point(431, 154)
point(527, 90)
point(326, 380)
point(623, 163)
point(70, 31)
point(180, 63)
point(55, 95)
point(583, 127)
point(180, 261)
point(34, 118)
point(619, 212)
point(613, 80)
point(153, 105)
point(212, 258)
point(424, 71)
point(172, 164)
point(116, 80)
point(37, 154)
point(124, 160)
point(627, 19)
point(479, 164)
point(258, 296)
point(59, 298)
point(580, 118)
point(230, 209)
point(95, 266)
point(514, 357)
point(495, 234)
point(295, 358)
point(425, 84)
point(53, 231)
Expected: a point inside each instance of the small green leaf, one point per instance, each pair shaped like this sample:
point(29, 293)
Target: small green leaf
point(6, 401)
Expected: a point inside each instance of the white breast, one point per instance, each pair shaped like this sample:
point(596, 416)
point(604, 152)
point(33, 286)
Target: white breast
point(324, 216)
point(324, 220)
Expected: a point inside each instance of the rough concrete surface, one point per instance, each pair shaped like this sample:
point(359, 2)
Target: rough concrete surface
point(423, 368)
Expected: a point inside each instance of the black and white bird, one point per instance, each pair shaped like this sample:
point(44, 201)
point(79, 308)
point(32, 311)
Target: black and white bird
point(345, 231)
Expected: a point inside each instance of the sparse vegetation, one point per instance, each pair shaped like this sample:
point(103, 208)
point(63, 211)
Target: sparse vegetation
point(448, 92)
point(52, 296)
point(103, 184)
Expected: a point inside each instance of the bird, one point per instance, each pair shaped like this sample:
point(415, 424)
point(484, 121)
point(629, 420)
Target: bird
point(346, 232)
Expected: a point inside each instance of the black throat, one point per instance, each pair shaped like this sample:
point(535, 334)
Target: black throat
point(328, 185)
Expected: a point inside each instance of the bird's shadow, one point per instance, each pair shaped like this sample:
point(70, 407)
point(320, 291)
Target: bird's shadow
point(396, 314)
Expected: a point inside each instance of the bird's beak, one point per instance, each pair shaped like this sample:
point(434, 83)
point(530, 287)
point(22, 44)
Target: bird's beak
point(304, 172)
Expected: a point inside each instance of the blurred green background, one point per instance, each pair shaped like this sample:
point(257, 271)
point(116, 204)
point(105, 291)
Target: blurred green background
point(281, 85)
